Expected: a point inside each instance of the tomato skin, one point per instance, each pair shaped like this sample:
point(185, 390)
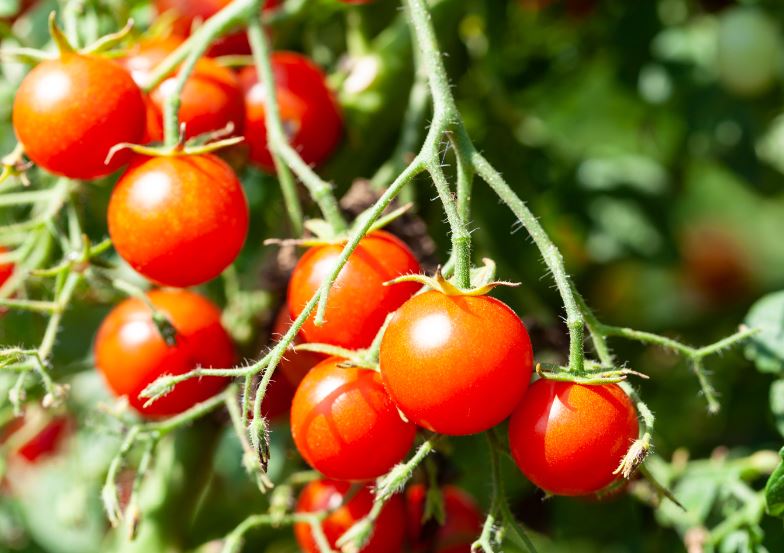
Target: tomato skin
point(290, 372)
point(179, 221)
point(6, 269)
point(130, 353)
point(389, 532)
point(68, 113)
point(358, 302)
point(569, 438)
point(212, 97)
point(43, 444)
point(187, 12)
point(308, 110)
point(462, 525)
point(456, 365)
point(345, 425)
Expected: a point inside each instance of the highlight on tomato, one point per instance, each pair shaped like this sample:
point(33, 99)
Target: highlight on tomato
point(131, 354)
point(359, 302)
point(456, 365)
point(388, 535)
point(462, 523)
point(211, 100)
point(178, 220)
point(345, 425)
point(69, 112)
point(308, 109)
point(569, 439)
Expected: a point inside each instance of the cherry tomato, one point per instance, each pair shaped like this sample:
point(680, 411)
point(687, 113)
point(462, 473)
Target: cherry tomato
point(307, 107)
point(188, 12)
point(358, 302)
point(212, 97)
point(389, 532)
point(6, 269)
point(456, 364)
point(290, 372)
point(569, 438)
point(462, 525)
point(69, 112)
point(131, 354)
point(179, 221)
point(45, 443)
point(345, 425)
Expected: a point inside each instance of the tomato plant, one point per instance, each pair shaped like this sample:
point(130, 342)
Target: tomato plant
point(130, 353)
point(439, 379)
point(344, 510)
point(166, 212)
point(569, 439)
point(345, 425)
point(69, 112)
point(211, 100)
point(360, 301)
point(308, 109)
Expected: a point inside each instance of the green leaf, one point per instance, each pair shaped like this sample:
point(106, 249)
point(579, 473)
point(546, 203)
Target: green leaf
point(777, 404)
point(774, 491)
point(766, 349)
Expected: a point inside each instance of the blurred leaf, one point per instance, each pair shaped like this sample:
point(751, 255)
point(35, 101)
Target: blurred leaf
point(766, 348)
point(774, 491)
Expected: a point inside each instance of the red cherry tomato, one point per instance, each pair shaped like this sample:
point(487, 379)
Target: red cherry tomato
point(345, 425)
point(462, 525)
point(456, 365)
point(389, 532)
point(69, 112)
point(179, 221)
point(6, 269)
point(307, 107)
point(212, 97)
point(188, 12)
point(359, 302)
point(131, 354)
point(290, 372)
point(569, 438)
point(45, 443)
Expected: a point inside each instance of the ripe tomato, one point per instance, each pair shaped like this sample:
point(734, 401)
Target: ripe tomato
point(131, 354)
point(345, 425)
point(569, 438)
point(44, 443)
point(290, 372)
point(456, 364)
point(389, 532)
point(188, 12)
point(358, 302)
point(307, 107)
point(69, 112)
point(212, 97)
point(462, 525)
point(179, 221)
point(6, 269)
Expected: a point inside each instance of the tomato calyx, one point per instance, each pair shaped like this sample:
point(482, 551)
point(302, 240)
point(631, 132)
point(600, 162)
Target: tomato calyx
point(594, 374)
point(482, 281)
point(362, 358)
point(200, 145)
point(635, 457)
point(15, 165)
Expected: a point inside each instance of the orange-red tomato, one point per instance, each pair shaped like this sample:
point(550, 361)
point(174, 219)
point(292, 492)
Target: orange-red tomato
point(6, 269)
point(69, 113)
point(462, 525)
point(290, 372)
point(345, 425)
point(358, 302)
point(188, 12)
point(179, 221)
point(45, 443)
point(388, 535)
point(569, 438)
point(212, 97)
point(131, 354)
point(456, 364)
point(307, 107)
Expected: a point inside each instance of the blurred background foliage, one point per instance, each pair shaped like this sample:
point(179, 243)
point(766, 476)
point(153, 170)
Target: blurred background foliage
point(649, 139)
